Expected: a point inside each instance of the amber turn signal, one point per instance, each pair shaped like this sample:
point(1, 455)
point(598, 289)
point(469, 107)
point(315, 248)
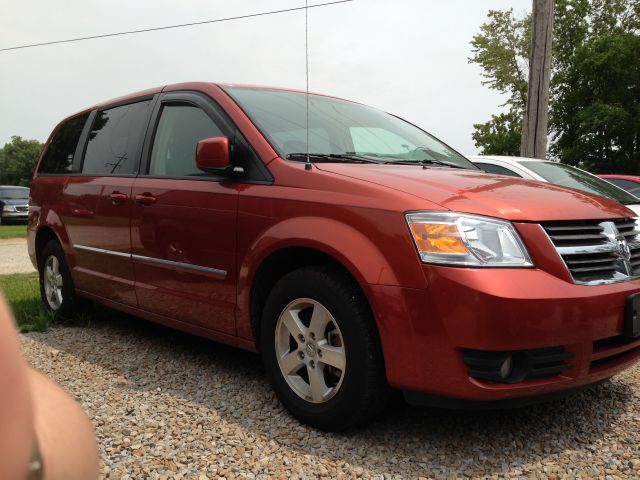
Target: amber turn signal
point(438, 238)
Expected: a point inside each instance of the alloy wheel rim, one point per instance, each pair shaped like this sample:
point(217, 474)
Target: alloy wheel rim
point(310, 350)
point(53, 282)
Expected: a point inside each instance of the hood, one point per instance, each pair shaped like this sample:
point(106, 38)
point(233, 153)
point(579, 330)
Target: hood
point(472, 191)
point(14, 201)
point(635, 208)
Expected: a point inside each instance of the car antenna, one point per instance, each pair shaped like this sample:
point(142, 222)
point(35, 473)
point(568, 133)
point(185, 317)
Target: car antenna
point(307, 165)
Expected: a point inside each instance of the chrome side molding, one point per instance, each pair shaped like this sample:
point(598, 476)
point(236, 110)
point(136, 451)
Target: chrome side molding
point(180, 266)
point(103, 251)
point(215, 272)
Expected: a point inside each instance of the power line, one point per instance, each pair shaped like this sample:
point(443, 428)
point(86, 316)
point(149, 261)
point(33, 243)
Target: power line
point(167, 27)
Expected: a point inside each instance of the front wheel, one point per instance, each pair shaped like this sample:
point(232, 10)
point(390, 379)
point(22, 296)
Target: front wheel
point(321, 349)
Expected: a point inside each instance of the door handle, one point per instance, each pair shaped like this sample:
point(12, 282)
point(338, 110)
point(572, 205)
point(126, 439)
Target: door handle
point(145, 199)
point(117, 197)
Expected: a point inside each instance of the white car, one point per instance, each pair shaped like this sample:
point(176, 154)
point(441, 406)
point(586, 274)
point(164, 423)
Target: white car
point(557, 173)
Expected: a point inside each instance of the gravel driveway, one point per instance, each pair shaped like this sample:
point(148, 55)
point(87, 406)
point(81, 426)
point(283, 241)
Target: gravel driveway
point(169, 405)
point(14, 257)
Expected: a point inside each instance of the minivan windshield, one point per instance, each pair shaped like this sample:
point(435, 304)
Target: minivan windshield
point(339, 130)
point(572, 177)
point(14, 193)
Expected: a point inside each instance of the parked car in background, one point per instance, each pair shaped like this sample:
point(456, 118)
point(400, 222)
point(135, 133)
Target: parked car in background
point(631, 183)
point(557, 173)
point(14, 204)
point(381, 258)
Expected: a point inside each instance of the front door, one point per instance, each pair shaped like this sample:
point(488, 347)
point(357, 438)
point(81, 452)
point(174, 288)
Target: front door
point(183, 229)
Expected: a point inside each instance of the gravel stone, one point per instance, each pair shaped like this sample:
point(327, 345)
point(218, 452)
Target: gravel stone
point(166, 405)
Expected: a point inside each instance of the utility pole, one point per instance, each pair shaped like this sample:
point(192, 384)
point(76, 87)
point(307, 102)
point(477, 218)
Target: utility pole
point(536, 117)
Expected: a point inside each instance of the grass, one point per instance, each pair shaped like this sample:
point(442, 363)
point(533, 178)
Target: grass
point(13, 231)
point(22, 291)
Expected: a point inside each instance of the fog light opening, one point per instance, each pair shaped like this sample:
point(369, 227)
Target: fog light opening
point(506, 368)
point(516, 366)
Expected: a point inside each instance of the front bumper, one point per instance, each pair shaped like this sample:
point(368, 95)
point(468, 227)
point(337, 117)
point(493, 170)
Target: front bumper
point(424, 332)
point(22, 216)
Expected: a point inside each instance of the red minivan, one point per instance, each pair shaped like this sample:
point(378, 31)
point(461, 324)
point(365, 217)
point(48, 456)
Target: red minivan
point(377, 258)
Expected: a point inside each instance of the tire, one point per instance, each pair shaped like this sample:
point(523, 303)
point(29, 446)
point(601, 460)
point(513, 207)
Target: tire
point(332, 317)
point(54, 272)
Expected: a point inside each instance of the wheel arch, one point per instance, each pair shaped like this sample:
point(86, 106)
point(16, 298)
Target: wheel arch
point(43, 236)
point(277, 252)
point(49, 226)
point(280, 263)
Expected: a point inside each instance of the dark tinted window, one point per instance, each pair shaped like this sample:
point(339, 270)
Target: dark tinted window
point(572, 177)
point(180, 128)
point(487, 167)
point(114, 140)
point(59, 155)
point(628, 185)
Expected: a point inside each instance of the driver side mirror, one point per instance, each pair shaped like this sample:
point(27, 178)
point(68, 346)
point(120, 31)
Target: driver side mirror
point(212, 156)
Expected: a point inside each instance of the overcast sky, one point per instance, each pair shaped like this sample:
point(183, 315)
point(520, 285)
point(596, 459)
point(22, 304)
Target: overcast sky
point(408, 57)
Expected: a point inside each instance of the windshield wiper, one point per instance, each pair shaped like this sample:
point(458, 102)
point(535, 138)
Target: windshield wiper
point(355, 158)
point(332, 157)
point(425, 162)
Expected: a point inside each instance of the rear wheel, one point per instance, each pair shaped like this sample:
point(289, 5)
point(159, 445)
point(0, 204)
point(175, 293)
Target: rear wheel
point(56, 286)
point(321, 349)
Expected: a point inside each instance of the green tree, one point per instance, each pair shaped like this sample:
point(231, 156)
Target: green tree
point(501, 49)
point(579, 110)
point(596, 115)
point(18, 160)
point(500, 135)
point(595, 103)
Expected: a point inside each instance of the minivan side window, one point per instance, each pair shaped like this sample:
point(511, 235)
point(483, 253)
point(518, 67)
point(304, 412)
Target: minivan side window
point(179, 129)
point(59, 155)
point(114, 140)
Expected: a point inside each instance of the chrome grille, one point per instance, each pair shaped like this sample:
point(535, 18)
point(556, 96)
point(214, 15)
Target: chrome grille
point(22, 208)
point(628, 227)
point(597, 251)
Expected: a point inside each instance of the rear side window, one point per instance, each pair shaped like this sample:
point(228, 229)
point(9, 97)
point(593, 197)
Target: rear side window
point(59, 155)
point(497, 169)
point(115, 139)
point(179, 130)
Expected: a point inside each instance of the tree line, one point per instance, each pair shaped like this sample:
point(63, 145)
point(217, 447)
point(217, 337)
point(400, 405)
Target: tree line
point(18, 160)
point(594, 103)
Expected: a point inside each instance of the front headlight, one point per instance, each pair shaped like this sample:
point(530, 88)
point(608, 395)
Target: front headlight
point(8, 208)
point(467, 240)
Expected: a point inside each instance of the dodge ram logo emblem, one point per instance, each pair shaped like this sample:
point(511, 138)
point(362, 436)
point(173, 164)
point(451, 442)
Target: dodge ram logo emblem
point(623, 248)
